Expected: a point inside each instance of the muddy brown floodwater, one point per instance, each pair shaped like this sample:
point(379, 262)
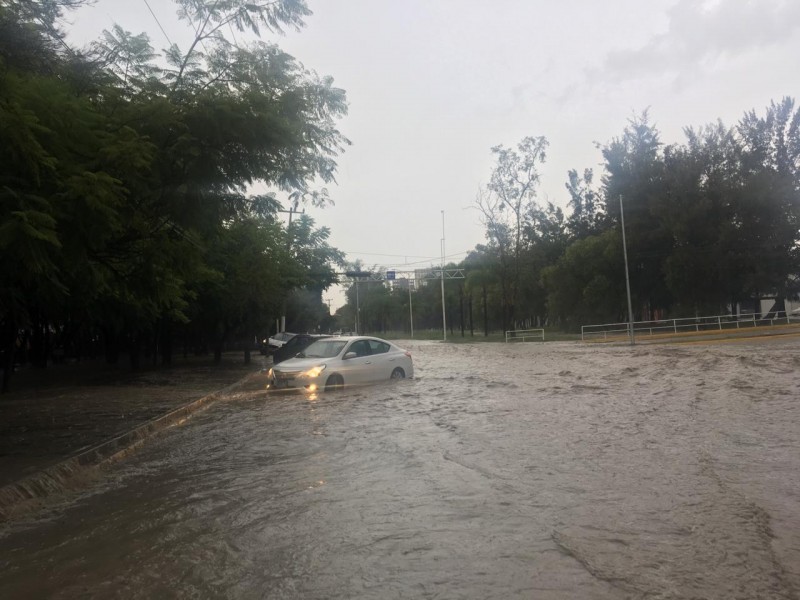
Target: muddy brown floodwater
point(543, 471)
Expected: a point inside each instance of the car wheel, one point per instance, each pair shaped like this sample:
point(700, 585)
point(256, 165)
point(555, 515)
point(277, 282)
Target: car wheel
point(398, 373)
point(335, 382)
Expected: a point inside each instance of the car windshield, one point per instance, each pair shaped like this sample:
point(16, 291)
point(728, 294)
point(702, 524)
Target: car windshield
point(322, 349)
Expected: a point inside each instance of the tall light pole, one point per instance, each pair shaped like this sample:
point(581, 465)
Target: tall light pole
point(281, 324)
point(410, 308)
point(444, 310)
point(358, 312)
point(627, 278)
point(356, 276)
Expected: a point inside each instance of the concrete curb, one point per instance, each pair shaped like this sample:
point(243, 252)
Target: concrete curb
point(32, 491)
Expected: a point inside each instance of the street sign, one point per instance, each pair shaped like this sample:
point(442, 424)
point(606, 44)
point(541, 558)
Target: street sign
point(390, 275)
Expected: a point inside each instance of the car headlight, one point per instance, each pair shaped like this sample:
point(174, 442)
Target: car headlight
point(313, 372)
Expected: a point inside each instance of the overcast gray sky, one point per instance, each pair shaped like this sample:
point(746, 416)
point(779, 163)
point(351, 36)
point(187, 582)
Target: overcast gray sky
point(432, 85)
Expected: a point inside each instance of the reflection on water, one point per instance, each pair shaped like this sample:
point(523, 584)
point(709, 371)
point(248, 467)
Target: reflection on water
point(501, 471)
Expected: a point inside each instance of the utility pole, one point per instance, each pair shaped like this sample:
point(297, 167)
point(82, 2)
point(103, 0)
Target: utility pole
point(356, 277)
point(410, 309)
point(444, 309)
point(358, 312)
point(627, 278)
point(292, 210)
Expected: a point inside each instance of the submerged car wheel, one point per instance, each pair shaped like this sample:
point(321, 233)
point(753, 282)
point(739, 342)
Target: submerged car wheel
point(335, 382)
point(398, 373)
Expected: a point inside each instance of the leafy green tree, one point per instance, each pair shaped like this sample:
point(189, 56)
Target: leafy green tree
point(506, 207)
point(698, 188)
point(482, 284)
point(122, 183)
point(546, 239)
point(311, 270)
point(585, 203)
point(767, 217)
point(635, 172)
point(586, 285)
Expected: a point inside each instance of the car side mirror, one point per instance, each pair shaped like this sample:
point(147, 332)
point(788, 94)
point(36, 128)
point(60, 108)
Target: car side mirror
point(350, 355)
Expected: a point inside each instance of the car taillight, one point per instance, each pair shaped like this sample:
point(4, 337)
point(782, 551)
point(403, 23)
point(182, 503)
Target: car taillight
point(408, 354)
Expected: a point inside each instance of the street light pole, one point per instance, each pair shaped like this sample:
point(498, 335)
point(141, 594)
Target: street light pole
point(292, 210)
point(410, 308)
point(627, 278)
point(358, 312)
point(444, 310)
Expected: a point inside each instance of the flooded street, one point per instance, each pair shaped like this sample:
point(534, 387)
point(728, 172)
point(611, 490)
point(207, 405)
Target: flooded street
point(546, 471)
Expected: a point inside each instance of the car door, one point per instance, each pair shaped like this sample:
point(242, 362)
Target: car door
point(383, 362)
point(357, 369)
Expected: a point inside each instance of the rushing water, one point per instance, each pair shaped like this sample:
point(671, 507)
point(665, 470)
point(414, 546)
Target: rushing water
point(502, 471)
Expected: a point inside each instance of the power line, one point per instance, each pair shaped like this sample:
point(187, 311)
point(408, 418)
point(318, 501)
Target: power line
point(418, 262)
point(158, 22)
point(389, 255)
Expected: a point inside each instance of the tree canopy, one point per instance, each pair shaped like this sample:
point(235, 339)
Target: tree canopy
point(126, 178)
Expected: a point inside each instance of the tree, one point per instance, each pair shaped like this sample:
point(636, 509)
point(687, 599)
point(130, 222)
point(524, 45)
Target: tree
point(585, 202)
point(482, 283)
point(587, 283)
point(767, 216)
point(546, 240)
point(122, 182)
point(635, 172)
point(699, 180)
point(506, 206)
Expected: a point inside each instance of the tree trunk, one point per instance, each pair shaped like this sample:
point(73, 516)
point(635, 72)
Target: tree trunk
point(461, 308)
point(248, 344)
point(485, 314)
point(166, 342)
point(8, 339)
point(134, 351)
point(219, 342)
point(38, 357)
point(111, 346)
point(471, 328)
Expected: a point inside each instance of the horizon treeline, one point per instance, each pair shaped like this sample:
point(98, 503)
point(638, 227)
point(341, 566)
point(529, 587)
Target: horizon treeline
point(712, 227)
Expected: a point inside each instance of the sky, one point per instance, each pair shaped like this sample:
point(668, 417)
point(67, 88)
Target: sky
point(433, 85)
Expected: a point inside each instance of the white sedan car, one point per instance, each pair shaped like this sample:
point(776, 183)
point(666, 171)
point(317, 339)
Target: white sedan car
point(334, 362)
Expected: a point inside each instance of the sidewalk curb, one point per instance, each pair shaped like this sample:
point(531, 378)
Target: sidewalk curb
point(31, 491)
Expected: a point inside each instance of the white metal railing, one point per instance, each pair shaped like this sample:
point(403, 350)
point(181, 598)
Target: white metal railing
point(520, 335)
point(686, 325)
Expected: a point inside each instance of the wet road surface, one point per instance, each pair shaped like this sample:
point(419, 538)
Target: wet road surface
point(502, 471)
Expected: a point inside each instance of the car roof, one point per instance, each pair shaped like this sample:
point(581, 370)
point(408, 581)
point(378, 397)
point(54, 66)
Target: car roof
point(351, 338)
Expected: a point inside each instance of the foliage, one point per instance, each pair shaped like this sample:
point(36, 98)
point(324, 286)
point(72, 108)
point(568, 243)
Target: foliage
point(508, 209)
point(712, 226)
point(124, 204)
